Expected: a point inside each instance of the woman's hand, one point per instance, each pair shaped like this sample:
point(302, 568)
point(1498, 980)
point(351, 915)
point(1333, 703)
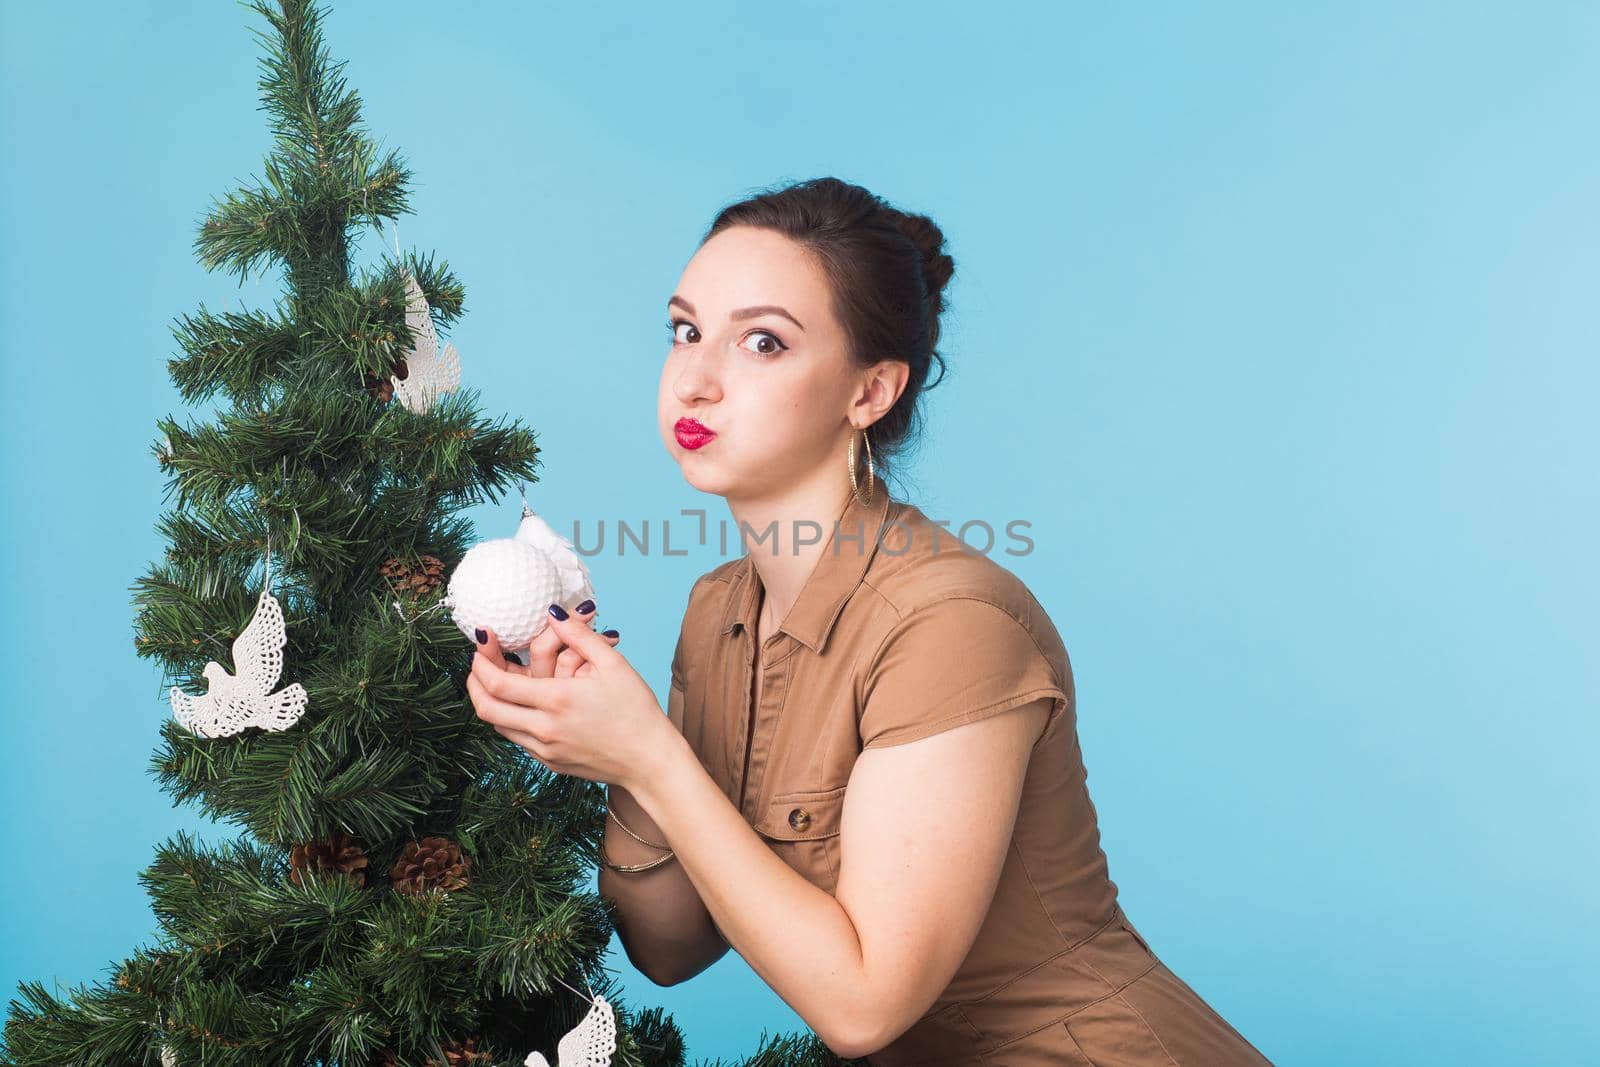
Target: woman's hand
point(592, 716)
point(548, 656)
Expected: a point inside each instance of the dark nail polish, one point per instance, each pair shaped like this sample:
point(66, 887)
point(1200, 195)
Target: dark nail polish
point(586, 607)
point(559, 612)
point(483, 638)
point(611, 633)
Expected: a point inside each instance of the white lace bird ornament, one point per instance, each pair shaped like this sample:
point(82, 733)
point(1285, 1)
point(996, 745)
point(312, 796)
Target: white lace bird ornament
point(589, 1044)
point(234, 702)
point(429, 372)
point(508, 583)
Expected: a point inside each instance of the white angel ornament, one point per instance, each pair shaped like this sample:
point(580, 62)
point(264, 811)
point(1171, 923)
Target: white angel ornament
point(429, 372)
point(589, 1044)
point(234, 702)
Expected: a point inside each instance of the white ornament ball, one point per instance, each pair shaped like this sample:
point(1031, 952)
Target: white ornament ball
point(506, 586)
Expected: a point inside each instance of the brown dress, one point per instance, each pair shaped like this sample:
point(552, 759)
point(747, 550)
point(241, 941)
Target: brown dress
point(900, 632)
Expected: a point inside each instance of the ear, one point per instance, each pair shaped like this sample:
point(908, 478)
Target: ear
point(881, 385)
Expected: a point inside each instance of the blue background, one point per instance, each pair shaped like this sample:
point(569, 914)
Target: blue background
point(1276, 322)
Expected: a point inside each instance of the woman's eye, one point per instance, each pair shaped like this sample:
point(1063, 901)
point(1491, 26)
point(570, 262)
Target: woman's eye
point(770, 351)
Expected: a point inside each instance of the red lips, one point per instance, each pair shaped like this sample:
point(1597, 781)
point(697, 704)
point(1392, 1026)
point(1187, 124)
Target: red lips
point(691, 434)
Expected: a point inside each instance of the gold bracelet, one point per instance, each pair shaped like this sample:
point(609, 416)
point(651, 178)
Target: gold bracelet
point(631, 867)
point(613, 813)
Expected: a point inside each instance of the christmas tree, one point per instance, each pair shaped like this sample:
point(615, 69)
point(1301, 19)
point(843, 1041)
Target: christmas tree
point(408, 886)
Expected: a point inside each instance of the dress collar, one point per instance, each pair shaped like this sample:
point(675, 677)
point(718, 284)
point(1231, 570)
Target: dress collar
point(839, 569)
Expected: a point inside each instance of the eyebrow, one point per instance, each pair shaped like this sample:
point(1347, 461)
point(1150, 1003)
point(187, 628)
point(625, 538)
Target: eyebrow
point(742, 313)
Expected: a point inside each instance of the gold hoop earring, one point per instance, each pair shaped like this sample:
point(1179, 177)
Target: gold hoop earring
point(850, 462)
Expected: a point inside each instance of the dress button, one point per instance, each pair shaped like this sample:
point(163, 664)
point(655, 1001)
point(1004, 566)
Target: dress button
point(799, 818)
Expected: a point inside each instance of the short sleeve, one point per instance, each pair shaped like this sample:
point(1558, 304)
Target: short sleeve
point(690, 630)
point(675, 688)
point(678, 676)
point(952, 662)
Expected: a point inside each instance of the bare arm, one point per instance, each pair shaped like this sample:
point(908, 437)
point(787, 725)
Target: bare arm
point(662, 922)
point(918, 912)
point(861, 967)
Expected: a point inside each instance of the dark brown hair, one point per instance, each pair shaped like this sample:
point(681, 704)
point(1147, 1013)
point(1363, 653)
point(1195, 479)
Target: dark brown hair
point(887, 271)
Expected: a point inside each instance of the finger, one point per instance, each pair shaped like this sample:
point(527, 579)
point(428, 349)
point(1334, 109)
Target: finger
point(489, 645)
point(612, 638)
point(530, 692)
point(570, 659)
point(537, 752)
point(548, 644)
point(501, 657)
point(542, 653)
point(576, 634)
point(496, 655)
point(568, 662)
point(495, 709)
point(535, 747)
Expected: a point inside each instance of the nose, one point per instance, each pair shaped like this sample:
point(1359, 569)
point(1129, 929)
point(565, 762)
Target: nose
point(696, 377)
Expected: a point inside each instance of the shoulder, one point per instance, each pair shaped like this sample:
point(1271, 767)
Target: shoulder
point(722, 574)
point(709, 593)
point(924, 577)
point(954, 636)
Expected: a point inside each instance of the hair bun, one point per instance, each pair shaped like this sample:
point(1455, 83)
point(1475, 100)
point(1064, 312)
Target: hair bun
point(886, 272)
point(937, 267)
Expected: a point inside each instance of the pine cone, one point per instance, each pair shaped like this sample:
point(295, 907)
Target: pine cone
point(338, 854)
point(456, 1054)
point(417, 579)
point(382, 389)
point(463, 1054)
point(432, 863)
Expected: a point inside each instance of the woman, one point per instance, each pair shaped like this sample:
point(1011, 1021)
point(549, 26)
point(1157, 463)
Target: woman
point(834, 790)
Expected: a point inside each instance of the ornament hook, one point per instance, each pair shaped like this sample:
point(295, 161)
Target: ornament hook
point(443, 602)
point(564, 982)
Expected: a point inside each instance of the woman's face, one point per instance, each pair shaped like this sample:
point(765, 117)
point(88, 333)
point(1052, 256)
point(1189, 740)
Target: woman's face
point(758, 359)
